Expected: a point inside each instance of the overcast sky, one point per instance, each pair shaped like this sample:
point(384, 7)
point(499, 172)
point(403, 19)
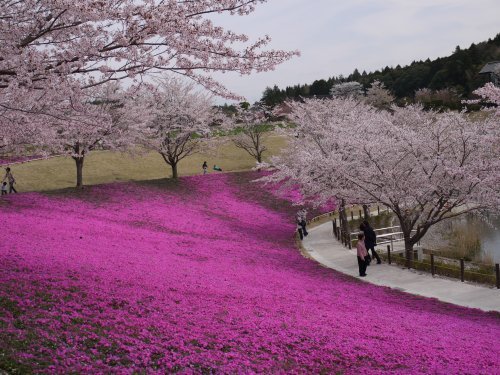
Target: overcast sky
point(334, 37)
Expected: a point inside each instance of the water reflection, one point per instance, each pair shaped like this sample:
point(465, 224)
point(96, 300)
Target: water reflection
point(469, 236)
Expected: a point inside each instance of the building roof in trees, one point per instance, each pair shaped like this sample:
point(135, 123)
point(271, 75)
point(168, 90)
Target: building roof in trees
point(491, 67)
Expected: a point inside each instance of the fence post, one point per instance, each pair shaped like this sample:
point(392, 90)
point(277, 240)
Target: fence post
point(378, 210)
point(432, 264)
point(389, 254)
point(497, 271)
point(462, 266)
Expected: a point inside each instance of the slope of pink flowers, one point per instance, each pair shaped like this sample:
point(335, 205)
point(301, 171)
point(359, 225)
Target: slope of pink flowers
point(203, 277)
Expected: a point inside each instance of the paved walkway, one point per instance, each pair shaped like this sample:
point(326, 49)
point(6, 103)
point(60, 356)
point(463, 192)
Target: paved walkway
point(324, 248)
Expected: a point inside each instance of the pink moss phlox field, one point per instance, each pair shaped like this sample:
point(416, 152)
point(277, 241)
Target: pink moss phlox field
point(204, 276)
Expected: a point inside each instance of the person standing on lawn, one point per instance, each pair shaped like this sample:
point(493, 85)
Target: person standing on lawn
point(370, 240)
point(10, 178)
point(362, 255)
point(205, 167)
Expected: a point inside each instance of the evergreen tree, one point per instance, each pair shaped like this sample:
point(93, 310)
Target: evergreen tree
point(459, 72)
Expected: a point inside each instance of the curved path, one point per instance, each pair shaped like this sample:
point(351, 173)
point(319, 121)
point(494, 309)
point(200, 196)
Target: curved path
point(325, 249)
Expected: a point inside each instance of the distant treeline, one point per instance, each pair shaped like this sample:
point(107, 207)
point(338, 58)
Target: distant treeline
point(457, 73)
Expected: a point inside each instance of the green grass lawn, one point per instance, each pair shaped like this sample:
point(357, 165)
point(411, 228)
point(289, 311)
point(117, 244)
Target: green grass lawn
point(109, 166)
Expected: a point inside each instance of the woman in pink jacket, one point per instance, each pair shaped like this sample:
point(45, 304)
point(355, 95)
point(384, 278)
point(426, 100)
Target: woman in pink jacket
point(362, 254)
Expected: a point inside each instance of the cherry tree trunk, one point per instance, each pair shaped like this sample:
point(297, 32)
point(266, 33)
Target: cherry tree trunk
point(79, 172)
point(343, 219)
point(408, 252)
point(175, 174)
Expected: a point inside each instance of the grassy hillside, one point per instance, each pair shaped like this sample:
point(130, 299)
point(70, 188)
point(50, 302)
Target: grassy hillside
point(107, 166)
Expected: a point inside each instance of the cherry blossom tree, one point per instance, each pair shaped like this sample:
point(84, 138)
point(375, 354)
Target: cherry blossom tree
point(490, 93)
point(346, 90)
point(379, 96)
point(16, 138)
point(178, 119)
point(252, 128)
point(52, 50)
point(424, 166)
point(86, 123)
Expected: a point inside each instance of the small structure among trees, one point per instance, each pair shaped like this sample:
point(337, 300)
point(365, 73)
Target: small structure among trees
point(492, 70)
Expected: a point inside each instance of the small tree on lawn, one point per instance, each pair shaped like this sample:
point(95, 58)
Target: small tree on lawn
point(425, 166)
point(251, 130)
point(179, 117)
point(88, 122)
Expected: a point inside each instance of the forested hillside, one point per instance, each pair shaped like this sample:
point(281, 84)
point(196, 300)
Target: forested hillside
point(457, 72)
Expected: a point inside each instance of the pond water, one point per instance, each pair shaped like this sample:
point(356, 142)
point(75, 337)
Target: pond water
point(469, 236)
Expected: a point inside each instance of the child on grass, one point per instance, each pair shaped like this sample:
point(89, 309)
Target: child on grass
point(4, 188)
point(362, 254)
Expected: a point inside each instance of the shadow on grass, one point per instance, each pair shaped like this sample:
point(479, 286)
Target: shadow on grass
point(106, 193)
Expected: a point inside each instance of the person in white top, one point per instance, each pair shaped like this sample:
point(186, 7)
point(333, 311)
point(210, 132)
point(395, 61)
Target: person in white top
point(4, 188)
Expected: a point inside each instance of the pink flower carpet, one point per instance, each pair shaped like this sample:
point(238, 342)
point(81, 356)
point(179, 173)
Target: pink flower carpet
point(204, 276)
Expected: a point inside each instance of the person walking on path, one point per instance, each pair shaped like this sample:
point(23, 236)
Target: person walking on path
point(301, 220)
point(362, 255)
point(299, 229)
point(205, 167)
point(10, 178)
point(370, 240)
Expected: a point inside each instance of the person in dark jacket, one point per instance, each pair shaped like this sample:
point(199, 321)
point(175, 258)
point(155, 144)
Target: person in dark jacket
point(370, 240)
point(301, 220)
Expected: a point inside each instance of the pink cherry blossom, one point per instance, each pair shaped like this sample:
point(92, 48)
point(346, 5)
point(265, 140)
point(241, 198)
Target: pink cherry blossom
point(53, 49)
point(423, 165)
